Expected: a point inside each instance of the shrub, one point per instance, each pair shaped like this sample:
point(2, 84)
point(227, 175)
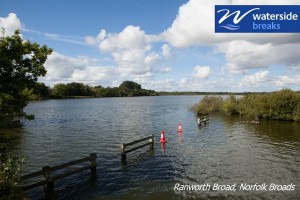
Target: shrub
point(230, 105)
point(281, 105)
point(209, 104)
point(10, 168)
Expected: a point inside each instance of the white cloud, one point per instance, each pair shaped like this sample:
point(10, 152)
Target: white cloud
point(166, 51)
point(90, 40)
point(255, 79)
point(196, 84)
point(131, 50)
point(135, 58)
point(160, 85)
point(242, 56)
point(183, 81)
point(144, 77)
point(283, 81)
point(194, 25)
point(63, 38)
point(61, 68)
point(10, 23)
point(151, 59)
point(130, 38)
point(201, 72)
point(94, 74)
point(165, 70)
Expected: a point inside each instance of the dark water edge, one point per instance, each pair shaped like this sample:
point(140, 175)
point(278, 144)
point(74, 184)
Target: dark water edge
point(225, 151)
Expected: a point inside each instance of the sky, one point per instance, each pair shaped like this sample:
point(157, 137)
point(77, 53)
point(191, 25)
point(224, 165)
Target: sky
point(164, 45)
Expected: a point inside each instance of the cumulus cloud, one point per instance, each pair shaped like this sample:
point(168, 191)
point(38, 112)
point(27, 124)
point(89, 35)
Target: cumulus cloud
point(94, 74)
point(243, 53)
point(129, 49)
point(131, 37)
point(283, 81)
point(255, 79)
point(10, 23)
point(61, 68)
point(135, 58)
point(242, 56)
point(201, 72)
point(90, 40)
point(194, 25)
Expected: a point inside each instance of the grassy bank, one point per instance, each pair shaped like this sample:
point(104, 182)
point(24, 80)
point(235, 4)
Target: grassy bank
point(280, 105)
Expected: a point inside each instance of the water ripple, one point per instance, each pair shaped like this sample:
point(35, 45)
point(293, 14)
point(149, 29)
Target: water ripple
point(224, 151)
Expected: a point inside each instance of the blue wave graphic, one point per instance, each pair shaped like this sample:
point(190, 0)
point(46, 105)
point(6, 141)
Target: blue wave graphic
point(231, 27)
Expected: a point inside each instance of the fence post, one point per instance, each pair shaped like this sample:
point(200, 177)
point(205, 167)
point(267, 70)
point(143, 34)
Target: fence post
point(123, 154)
point(93, 157)
point(49, 187)
point(152, 142)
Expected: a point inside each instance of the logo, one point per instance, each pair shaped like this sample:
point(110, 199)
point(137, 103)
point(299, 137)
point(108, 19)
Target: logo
point(236, 19)
point(257, 19)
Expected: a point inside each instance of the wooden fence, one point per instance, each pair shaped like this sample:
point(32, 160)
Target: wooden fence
point(48, 178)
point(150, 142)
point(203, 120)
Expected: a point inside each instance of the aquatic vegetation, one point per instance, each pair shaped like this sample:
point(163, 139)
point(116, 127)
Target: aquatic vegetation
point(281, 105)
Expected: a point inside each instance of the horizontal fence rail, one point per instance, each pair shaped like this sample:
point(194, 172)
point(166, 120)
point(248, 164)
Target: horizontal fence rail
point(48, 176)
point(124, 151)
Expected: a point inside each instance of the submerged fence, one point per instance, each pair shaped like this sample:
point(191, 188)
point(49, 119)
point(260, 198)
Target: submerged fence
point(51, 174)
point(124, 151)
point(203, 120)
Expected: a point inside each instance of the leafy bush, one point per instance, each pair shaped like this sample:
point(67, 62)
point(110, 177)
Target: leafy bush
point(284, 105)
point(209, 104)
point(230, 105)
point(281, 105)
point(10, 168)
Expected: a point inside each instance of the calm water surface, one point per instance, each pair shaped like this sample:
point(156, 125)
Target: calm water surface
point(224, 151)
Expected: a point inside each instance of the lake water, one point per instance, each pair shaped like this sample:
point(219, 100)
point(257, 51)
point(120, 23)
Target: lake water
point(224, 151)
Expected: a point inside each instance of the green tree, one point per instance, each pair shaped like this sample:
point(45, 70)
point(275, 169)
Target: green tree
point(41, 91)
point(230, 105)
point(59, 90)
point(21, 64)
point(6, 111)
point(130, 85)
point(73, 89)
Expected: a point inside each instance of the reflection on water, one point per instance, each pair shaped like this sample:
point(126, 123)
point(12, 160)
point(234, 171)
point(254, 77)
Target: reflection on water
point(224, 151)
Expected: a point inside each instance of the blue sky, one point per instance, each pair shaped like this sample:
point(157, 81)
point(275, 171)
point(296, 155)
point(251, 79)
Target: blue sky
point(165, 45)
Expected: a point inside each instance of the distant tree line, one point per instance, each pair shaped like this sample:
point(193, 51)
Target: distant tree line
point(77, 90)
point(281, 105)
